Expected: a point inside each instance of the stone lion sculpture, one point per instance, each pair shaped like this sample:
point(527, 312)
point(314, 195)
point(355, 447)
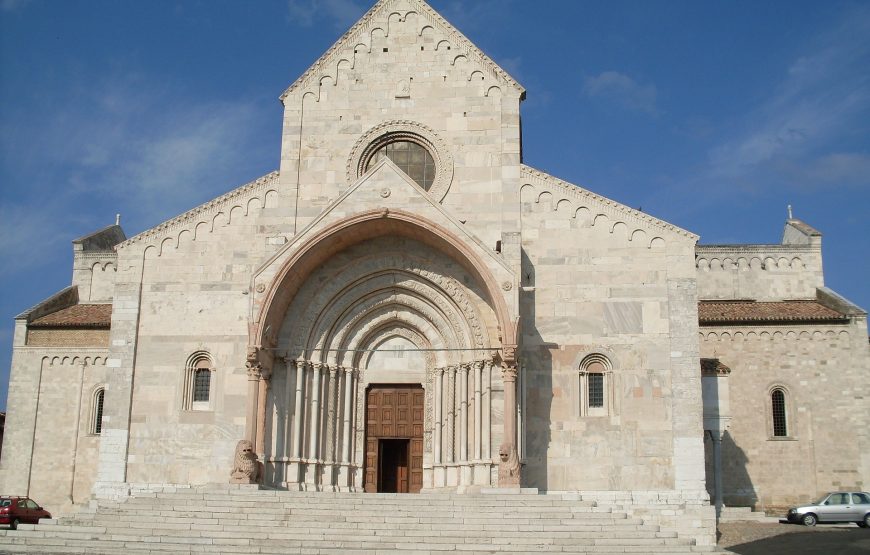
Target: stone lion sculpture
point(508, 467)
point(246, 467)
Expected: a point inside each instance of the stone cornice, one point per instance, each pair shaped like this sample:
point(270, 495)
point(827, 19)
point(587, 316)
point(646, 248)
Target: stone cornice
point(625, 213)
point(755, 249)
point(213, 206)
point(365, 25)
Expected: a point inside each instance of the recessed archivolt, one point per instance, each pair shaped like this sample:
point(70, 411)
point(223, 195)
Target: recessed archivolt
point(428, 321)
point(386, 306)
point(389, 282)
point(345, 270)
point(356, 342)
point(383, 334)
point(355, 285)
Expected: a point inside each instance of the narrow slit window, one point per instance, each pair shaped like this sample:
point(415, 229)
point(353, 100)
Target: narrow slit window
point(201, 383)
point(780, 425)
point(596, 390)
point(97, 420)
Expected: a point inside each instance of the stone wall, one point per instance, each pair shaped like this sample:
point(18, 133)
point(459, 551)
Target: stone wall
point(50, 447)
point(823, 370)
point(600, 278)
point(70, 337)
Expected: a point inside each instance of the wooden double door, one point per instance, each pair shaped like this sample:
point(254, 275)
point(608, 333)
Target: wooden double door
point(394, 439)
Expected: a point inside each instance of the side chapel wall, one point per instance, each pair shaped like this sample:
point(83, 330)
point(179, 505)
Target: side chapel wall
point(600, 278)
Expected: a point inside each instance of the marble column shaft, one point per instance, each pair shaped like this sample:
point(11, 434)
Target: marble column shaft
point(463, 412)
point(346, 416)
point(438, 402)
point(314, 423)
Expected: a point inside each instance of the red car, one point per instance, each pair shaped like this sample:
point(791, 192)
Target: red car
point(17, 510)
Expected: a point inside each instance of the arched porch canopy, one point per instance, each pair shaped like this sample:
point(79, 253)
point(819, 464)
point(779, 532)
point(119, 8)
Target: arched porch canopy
point(315, 250)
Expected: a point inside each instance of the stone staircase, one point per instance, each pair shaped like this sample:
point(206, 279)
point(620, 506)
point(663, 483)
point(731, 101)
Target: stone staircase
point(745, 514)
point(245, 520)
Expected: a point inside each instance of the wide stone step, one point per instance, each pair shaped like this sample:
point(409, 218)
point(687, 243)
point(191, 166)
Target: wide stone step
point(251, 521)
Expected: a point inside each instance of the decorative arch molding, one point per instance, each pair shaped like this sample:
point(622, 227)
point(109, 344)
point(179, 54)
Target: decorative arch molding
point(403, 130)
point(380, 335)
point(274, 301)
point(400, 274)
point(771, 334)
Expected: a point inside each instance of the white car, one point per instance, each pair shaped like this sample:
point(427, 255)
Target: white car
point(840, 506)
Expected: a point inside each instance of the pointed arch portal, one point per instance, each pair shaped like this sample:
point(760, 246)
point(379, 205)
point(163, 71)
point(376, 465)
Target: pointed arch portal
point(379, 301)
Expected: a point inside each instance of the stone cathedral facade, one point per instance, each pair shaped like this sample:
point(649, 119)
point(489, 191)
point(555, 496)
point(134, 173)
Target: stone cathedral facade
point(405, 305)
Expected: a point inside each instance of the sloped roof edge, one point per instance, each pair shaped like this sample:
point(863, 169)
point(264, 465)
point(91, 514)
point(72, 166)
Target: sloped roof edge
point(210, 206)
point(62, 299)
point(103, 239)
point(579, 192)
point(427, 11)
point(721, 312)
point(77, 316)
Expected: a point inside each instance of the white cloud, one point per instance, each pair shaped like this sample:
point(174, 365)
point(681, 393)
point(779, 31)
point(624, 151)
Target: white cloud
point(623, 90)
point(794, 133)
point(123, 144)
point(12, 5)
point(27, 233)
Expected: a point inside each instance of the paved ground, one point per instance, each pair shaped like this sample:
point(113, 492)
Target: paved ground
point(755, 538)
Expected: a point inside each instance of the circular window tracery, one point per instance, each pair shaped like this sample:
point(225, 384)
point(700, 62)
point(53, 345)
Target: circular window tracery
point(390, 139)
point(411, 158)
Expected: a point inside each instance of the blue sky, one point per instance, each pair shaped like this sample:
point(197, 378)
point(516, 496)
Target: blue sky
point(711, 115)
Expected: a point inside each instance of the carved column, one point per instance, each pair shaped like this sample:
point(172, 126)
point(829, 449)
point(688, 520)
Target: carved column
point(478, 368)
point(297, 409)
point(289, 369)
point(451, 413)
point(259, 366)
point(331, 414)
point(314, 424)
point(346, 416)
point(463, 412)
point(509, 467)
point(437, 401)
point(253, 371)
point(487, 411)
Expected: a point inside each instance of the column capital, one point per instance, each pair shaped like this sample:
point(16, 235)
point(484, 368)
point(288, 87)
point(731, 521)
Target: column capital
point(465, 367)
point(253, 370)
point(452, 368)
point(509, 372)
point(259, 361)
point(478, 364)
point(509, 354)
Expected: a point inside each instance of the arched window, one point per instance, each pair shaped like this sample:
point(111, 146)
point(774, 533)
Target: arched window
point(596, 377)
point(198, 382)
point(96, 422)
point(779, 413)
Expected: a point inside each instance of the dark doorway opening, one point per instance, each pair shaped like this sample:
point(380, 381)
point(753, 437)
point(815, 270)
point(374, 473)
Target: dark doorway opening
point(394, 439)
point(393, 467)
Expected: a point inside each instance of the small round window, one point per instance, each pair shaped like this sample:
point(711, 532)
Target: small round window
point(411, 158)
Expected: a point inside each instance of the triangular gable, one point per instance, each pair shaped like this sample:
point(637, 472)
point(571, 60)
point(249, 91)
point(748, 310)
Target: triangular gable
point(385, 186)
point(379, 15)
point(572, 200)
